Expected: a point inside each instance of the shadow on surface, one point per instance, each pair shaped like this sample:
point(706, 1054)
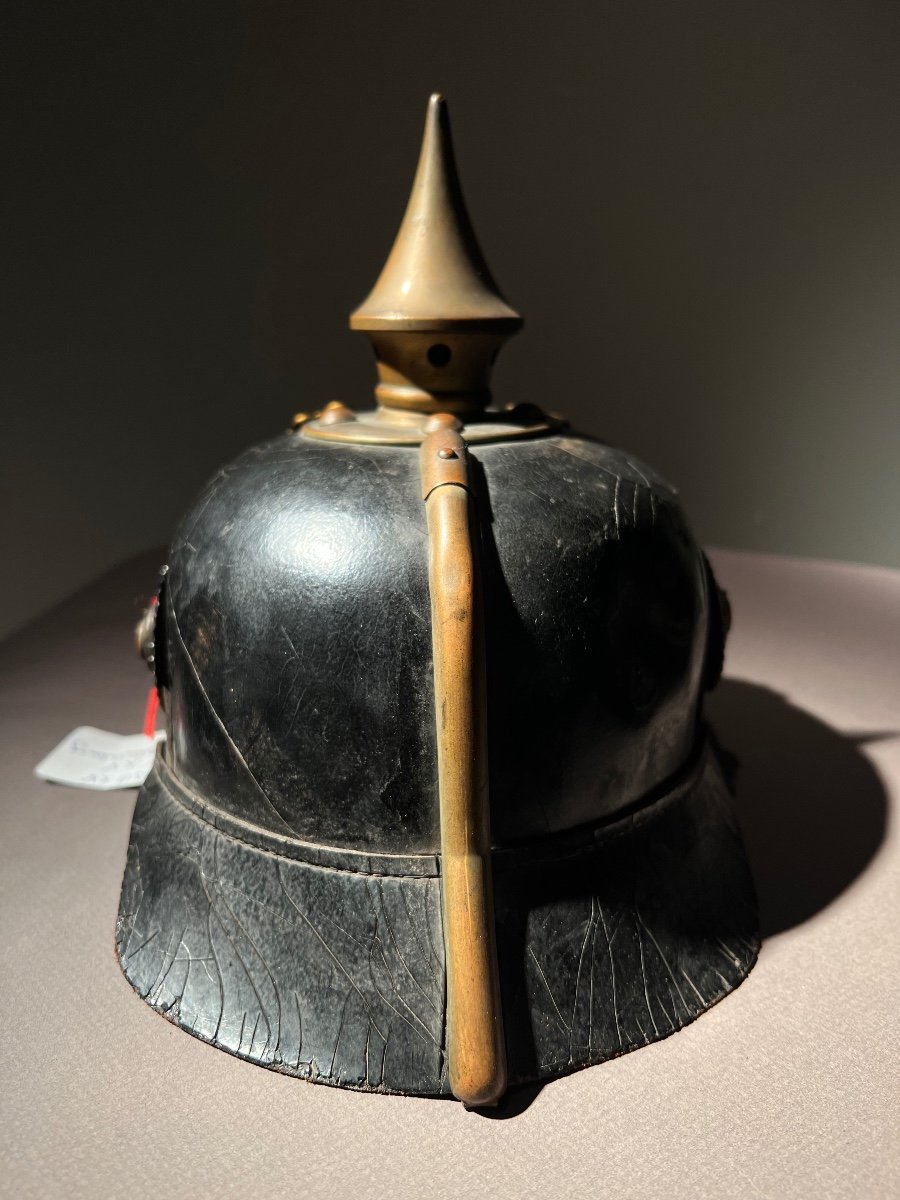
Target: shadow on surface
point(812, 808)
point(519, 1098)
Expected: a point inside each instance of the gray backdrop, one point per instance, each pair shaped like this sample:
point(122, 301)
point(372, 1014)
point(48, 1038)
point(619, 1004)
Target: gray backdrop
point(695, 205)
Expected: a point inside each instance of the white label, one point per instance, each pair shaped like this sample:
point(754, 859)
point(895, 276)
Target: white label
point(93, 758)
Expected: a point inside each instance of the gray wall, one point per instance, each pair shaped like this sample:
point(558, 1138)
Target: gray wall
point(696, 206)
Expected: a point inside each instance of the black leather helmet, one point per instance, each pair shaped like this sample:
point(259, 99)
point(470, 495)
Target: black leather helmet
point(437, 811)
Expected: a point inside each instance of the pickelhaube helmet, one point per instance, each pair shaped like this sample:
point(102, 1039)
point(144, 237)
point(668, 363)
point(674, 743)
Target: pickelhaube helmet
point(437, 812)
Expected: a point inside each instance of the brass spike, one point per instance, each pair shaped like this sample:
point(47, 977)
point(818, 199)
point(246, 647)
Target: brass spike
point(436, 318)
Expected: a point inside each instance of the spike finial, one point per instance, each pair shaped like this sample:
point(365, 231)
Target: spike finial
point(436, 318)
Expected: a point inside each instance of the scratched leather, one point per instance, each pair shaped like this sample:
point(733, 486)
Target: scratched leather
point(338, 976)
point(282, 893)
point(298, 586)
point(299, 636)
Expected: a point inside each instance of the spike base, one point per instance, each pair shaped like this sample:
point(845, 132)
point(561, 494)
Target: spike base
point(393, 427)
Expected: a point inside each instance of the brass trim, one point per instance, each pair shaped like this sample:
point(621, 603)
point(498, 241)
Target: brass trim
point(476, 1048)
point(384, 427)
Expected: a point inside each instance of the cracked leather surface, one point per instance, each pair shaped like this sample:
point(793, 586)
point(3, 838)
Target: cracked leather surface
point(282, 893)
point(299, 639)
point(298, 598)
point(337, 975)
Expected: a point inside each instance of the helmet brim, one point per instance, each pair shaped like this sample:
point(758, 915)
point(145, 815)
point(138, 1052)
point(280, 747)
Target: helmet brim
point(608, 938)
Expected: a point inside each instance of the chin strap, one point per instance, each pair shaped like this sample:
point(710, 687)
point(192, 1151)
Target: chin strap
point(476, 1048)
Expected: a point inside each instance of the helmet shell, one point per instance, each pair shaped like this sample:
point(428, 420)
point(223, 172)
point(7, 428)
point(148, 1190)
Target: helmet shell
point(298, 672)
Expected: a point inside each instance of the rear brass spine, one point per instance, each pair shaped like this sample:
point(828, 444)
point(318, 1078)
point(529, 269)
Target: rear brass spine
point(475, 1042)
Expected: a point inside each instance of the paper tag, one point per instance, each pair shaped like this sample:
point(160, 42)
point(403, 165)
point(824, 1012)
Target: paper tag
point(93, 758)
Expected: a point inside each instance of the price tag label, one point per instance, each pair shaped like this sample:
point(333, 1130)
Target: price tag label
point(102, 761)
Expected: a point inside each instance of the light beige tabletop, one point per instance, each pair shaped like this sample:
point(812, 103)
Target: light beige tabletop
point(788, 1088)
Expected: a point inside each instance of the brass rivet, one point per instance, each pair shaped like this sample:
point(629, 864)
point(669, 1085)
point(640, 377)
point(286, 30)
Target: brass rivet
point(299, 419)
point(447, 452)
point(335, 412)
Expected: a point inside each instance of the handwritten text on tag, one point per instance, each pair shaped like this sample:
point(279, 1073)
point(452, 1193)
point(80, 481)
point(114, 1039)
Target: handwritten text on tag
point(93, 758)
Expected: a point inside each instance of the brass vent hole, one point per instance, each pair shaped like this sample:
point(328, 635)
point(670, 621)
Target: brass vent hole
point(439, 354)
